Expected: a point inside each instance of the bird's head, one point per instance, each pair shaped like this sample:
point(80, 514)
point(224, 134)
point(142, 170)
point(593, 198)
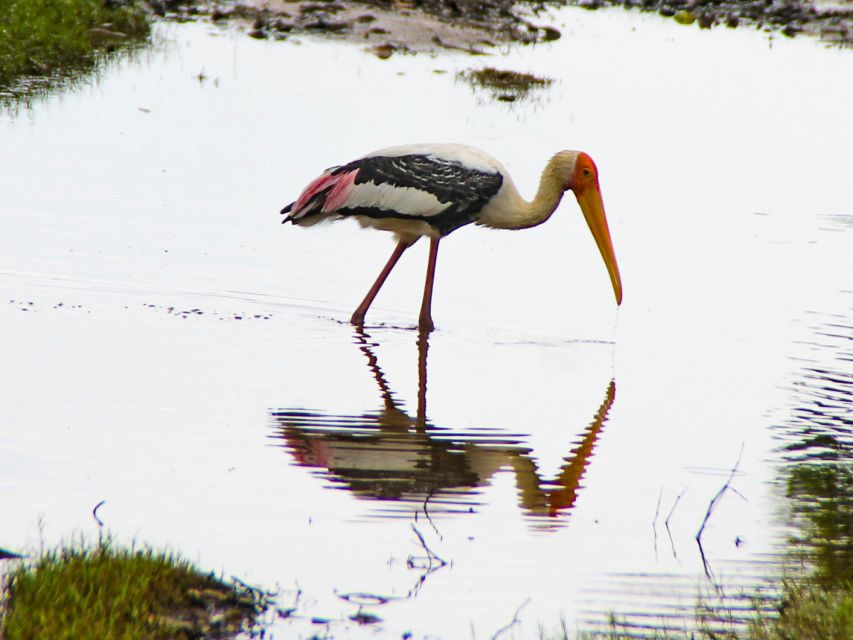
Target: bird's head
point(581, 176)
point(584, 173)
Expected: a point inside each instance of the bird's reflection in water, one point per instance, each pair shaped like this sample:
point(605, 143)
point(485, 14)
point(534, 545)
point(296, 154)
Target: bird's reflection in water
point(408, 463)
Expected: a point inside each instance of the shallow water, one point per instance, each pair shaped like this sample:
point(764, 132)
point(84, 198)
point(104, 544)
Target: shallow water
point(171, 349)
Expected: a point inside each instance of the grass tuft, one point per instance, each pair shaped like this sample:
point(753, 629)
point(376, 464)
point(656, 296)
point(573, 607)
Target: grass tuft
point(808, 611)
point(56, 38)
point(106, 591)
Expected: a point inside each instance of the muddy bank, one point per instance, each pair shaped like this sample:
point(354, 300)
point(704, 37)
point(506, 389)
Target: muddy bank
point(384, 26)
point(114, 591)
point(474, 26)
point(831, 21)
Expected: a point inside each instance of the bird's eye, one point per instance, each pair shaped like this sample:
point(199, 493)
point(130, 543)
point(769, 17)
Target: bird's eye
point(587, 173)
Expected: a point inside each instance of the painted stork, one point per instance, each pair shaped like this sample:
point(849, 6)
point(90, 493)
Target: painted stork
point(433, 189)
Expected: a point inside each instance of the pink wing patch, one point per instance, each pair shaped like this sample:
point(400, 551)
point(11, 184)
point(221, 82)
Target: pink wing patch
point(340, 192)
point(341, 186)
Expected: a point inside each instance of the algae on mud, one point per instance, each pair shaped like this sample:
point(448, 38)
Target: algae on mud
point(504, 85)
point(45, 41)
point(107, 591)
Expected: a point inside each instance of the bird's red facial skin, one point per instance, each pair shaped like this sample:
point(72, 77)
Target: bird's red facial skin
point(585, 174)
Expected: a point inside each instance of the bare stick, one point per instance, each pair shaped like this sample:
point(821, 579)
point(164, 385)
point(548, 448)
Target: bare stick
point(99, 521)
point(431, 555)
point(705, 564)
point(668, 518)
point(674, 505)
point(429, 569)
point(512, 622)
point(41, 534)
point(429, 519)
point(716, 499)
point(711, 506)
point(657, 508)
point(654, 522)
point(95, 513)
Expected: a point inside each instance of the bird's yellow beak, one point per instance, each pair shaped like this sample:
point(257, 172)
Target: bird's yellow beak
point(589, 199)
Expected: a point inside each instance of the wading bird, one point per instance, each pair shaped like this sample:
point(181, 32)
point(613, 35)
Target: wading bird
point(433, 189)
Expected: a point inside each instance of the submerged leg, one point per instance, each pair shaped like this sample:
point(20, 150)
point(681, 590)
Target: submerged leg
point(425, 322)
point(358, 315)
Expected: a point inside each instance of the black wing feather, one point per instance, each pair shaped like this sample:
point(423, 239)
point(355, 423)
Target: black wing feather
point(467, 190)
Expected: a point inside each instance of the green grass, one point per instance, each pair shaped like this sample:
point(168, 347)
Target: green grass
point(105, 591)
point(53, 38)
point(809, 611)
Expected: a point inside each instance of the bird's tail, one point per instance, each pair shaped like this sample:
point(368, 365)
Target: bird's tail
point(320, 199)
point(307, 213)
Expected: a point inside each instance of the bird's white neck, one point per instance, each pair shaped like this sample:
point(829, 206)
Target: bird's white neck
point(510, 211)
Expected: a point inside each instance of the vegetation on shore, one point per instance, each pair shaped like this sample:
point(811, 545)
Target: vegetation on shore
point(51, 39)
point(107, 591)
point(808, 611)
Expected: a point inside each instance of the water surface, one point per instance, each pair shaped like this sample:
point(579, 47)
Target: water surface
point(170, 348)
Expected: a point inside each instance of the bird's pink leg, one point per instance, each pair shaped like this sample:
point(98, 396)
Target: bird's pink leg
point(426, 306)
point(358, 315)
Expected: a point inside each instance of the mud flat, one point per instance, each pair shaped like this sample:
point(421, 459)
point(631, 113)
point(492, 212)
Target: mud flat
point(389, 26)
point(830, 20)
point(385, 26)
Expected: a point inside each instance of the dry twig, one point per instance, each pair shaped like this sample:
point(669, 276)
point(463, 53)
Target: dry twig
point(429, 519)
point(512, 622)
point(654, 522)
point(713, 504)
point(668, 518)
point(95, 513)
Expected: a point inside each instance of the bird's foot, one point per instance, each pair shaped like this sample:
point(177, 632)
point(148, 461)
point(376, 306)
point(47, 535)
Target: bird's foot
point(426, 324)
point(357, 319)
